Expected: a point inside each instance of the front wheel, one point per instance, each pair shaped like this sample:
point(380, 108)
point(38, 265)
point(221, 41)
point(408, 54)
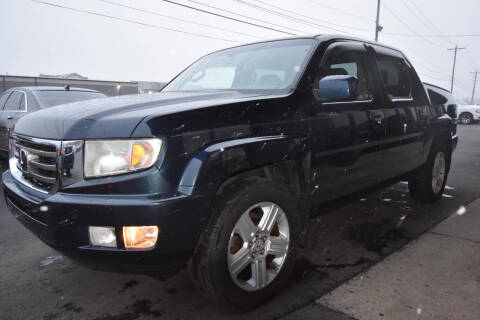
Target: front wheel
point(248, 249)
point(428, 184)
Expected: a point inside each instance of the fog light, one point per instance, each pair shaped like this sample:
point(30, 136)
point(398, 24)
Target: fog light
point(103, 236)
point(143, 237)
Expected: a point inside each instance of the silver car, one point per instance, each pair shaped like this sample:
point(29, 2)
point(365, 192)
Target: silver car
point(17, 102)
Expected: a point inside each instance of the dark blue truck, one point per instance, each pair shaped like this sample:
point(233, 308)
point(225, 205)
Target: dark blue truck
point(224, 168)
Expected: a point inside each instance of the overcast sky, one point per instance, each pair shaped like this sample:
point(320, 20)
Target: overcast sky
point(38, 38)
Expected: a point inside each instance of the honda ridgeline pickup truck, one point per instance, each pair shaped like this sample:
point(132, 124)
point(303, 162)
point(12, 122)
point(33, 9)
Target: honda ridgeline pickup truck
point(224, 167)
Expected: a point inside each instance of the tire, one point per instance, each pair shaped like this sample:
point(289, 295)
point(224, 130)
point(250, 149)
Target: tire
point(466, 118)
point(212, 269)
point(422, 185)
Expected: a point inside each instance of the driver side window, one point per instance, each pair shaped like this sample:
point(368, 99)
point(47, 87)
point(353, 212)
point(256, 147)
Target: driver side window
point(343, 68)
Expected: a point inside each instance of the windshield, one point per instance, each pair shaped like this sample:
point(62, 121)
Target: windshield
point(265, 66)
point(53, 98)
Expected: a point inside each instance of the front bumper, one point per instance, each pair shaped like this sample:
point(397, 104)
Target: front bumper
point(62, 219)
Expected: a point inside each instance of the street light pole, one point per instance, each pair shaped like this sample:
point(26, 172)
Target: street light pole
point(474, 86)
point(454, 62)
point(378, 27)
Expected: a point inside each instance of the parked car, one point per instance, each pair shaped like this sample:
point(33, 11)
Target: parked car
point(468, 114)
point(17, 102)
point(225, 167)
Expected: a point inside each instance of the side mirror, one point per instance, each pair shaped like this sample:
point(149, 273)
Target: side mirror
point(338, 87)
point(452, 111)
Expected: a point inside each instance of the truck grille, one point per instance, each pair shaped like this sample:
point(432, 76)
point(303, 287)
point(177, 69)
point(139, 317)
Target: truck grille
point(37, 162)
point(45, 165)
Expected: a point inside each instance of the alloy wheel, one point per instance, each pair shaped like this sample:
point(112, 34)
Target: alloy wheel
point(258, 246)
point(438, 172)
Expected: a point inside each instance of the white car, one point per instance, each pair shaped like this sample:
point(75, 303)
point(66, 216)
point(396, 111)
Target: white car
point(468, 113)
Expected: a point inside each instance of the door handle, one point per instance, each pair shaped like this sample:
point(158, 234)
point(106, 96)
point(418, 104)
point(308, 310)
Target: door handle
point(377, 118)
point(10, 117)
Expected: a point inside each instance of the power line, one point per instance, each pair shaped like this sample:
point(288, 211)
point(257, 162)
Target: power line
point(226, 17)
point(295, 19)
point(434, 35)
point(466, 62)
point(282, 15)
point(133, 21)
point(470, 60)
point(339, 10)
point(175, 18)
point(244, 16)
point(430, 21)
point(441, 34)
point(406, 25)
point(432, 26)
point(410, 50)
point(432, 71)
point(423, 75)
point(416, 16)
point(298, 20)
point(311, 18)
point(435, 78)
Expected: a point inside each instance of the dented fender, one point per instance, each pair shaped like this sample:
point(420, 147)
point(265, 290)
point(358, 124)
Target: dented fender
point(209, 167)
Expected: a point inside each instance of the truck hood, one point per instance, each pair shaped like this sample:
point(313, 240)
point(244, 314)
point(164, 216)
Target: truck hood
point(117, 117)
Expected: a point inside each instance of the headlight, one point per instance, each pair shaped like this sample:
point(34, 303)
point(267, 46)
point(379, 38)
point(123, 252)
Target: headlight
point(111, 157)
point(477, 110)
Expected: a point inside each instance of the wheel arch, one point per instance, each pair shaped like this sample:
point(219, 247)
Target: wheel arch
point(439, 133)
point(465, 112)
point(283, 159)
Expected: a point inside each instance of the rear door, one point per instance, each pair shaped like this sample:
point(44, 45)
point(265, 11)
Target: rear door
point(346, 136)
point(406, 110)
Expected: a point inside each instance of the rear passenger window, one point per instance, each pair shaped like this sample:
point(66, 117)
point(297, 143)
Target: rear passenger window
point(395, 75)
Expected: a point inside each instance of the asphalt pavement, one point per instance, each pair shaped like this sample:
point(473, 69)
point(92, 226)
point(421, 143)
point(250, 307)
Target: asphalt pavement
point(435, 277)
point(38, 283)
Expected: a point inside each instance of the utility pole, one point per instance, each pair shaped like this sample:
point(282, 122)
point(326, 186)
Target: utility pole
point(474, 85)
point(454, 62)
point(378, 27)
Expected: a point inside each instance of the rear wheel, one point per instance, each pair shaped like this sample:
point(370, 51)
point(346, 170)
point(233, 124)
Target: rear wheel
point(466, 118)
point(428, 184)
point(248, 249)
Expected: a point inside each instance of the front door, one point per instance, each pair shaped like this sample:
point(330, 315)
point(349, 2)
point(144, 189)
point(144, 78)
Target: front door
point(347, 134)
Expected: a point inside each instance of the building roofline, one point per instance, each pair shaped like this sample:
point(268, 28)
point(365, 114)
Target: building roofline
point(52, 88)
point(63, 79)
